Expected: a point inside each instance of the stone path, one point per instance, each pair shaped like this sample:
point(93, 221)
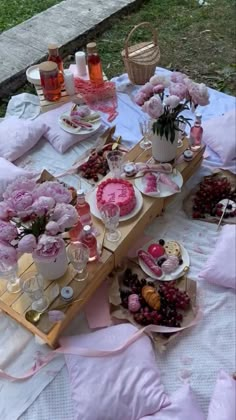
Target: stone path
point(70, 24)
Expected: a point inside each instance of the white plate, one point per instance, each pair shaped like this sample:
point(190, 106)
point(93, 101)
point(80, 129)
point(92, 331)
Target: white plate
point(165, 191)
point(79, 131)
point(167, 277)
point(96, 212)
point(33, 76)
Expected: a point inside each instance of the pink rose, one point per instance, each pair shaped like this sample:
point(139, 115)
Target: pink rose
point(153, 107)
point(52, 228)
point(178, 77)
point(54, 190)
point(8, 232)
point(160, 80)
point(179, 89)
point(8, 256)
point(4, 212)
point(27, 244)
point(147, 89)
point(140, 98)
point(21, 184)
point(199, 93)
point(49, 246)
point(42, 205)
point(158, 88)
point(172, 101)
point(20, 203)
point(65, 215)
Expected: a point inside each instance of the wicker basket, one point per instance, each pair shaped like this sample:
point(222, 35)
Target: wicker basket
point(140, 60)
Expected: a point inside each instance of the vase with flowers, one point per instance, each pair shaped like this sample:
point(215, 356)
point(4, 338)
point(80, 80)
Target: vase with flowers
point(33, 218)
point(165, 99)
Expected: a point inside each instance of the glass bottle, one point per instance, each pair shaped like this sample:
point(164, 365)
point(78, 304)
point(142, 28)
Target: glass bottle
point(49, 81)
point(83, 209)
point(89, 239)
point(196, 134)
point(53, 55)
point(76, 232)
point(94, 64)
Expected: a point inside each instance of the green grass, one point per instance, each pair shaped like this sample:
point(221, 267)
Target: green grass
point(198, 40)
point(13, 12)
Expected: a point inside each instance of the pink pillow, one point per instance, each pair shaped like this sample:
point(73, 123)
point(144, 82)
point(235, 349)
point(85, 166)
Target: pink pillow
point(183, 406)
point(220, 134)
point(220, 267)
point(115, 387)
point(17, 136)
point(223, 401)
point(59, 139)
point(9, 172)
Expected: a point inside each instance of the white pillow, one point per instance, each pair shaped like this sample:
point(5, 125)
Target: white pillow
point(9, 172)
point(17, 136)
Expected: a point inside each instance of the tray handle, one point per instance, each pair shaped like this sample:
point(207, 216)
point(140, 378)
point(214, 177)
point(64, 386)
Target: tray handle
point(149, 25)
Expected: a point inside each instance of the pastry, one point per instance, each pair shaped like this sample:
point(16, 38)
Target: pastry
point(133, 303)
point(170, 264)
point(173, 248)
point(152, 297)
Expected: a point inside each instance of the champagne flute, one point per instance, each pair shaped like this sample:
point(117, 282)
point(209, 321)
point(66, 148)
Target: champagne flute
point(146, 131)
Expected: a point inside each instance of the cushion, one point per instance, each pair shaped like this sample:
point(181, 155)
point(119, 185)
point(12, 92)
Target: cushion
point(223, 257)
point(114, 387)
point(8, 173)
point(183, 406)
point(223, 401)
point(220, 134)
point(17, 136)
point(59, 139)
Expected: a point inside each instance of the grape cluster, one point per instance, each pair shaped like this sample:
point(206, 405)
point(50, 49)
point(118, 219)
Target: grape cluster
point(210, 192)
point(173, 302)
point(96, 165)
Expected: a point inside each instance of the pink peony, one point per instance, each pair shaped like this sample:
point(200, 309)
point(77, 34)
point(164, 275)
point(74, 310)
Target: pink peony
point(21, 184)
point(8, 232)
point(172, 101)
point(54, 190)
point(20, 203)
point(42, 205)
point(49, 246)
point(4, 211)
point(147, 89)
point(140, 98)
point(153, 107)
point(52, 228)
point(179, 89)
point(178, 77)
point(158, 88)
point(8, 256)
point(160, 80)
point(65, 215)
point(199, 93)
point(27, 244)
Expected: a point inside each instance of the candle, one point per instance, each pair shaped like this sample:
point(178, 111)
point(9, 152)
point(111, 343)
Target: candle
point(81, 63)
point(69, 82)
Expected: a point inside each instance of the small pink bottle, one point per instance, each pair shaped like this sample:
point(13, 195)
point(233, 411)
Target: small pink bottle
point(89, 239)
point(83, 209)
point(196, 134)
point(76, 232)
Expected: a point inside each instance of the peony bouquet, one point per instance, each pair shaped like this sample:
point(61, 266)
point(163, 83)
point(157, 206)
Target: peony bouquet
point(166, 109)
point(32, 218)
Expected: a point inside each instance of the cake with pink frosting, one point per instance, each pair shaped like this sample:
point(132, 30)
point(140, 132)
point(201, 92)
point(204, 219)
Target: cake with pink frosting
point(117, 191)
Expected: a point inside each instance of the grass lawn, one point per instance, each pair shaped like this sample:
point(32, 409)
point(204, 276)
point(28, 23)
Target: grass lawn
point(198, 40)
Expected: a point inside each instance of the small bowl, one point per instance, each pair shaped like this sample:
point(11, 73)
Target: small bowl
point(33, 76)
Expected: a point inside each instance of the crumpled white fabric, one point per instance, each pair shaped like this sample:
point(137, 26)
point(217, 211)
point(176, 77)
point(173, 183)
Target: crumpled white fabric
point(24, 105)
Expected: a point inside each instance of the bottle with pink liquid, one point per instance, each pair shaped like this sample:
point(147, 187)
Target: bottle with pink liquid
point(83, 209)
point(76, 232)
point(89, 239)
point(196, 134)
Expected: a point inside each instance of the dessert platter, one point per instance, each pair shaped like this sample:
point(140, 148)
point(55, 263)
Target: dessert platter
point(117, 191)
point(160, 184)
point(80, 120)
point(163, 259)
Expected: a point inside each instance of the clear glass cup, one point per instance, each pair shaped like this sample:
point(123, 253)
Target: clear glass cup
point(115, 162)
point(32, 285)
point(181, 134)
point(9, 273)
point(146, 131)
point(110, 214)
point(78, 254)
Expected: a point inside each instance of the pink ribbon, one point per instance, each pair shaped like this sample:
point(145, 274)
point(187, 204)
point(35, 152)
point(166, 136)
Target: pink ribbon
point(66, 348)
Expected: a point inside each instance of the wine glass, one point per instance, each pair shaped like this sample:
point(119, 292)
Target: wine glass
point(110, 214)
point(32, 284)
point(9, 273)
point(146, 131)
point(115, 160)
point(181, 134)
point(78, 254)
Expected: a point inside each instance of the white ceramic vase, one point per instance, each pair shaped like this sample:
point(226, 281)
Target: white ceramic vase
point(52, 268)
point(162, 149)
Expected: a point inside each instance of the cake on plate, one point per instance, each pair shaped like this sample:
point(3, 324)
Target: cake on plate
point(117, 191)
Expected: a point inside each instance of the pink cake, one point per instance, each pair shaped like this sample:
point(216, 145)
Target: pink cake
point(117, 191)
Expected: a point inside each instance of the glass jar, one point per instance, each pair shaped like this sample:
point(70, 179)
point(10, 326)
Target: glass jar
point(49, 80)
point(54, 56)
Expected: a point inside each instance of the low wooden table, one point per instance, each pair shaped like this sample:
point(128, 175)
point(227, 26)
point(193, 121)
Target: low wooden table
point(17, 304)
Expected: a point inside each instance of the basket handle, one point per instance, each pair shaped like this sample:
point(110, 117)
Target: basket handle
point(149, 25)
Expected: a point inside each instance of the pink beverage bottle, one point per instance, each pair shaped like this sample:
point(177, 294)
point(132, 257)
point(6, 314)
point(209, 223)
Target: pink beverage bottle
point(196, 134)
point(89, 239)
point(83, 209)
point(76, 232)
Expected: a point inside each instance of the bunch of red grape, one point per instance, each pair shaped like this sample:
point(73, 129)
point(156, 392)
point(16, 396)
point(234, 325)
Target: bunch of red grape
point(95, 165)
point(210, 192)
point(173, 301)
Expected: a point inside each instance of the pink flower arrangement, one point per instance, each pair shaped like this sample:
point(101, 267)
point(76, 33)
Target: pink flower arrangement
point(166, 107)
point(32, 218)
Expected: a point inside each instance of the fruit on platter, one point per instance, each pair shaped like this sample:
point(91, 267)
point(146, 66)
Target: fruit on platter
point(156, 250)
